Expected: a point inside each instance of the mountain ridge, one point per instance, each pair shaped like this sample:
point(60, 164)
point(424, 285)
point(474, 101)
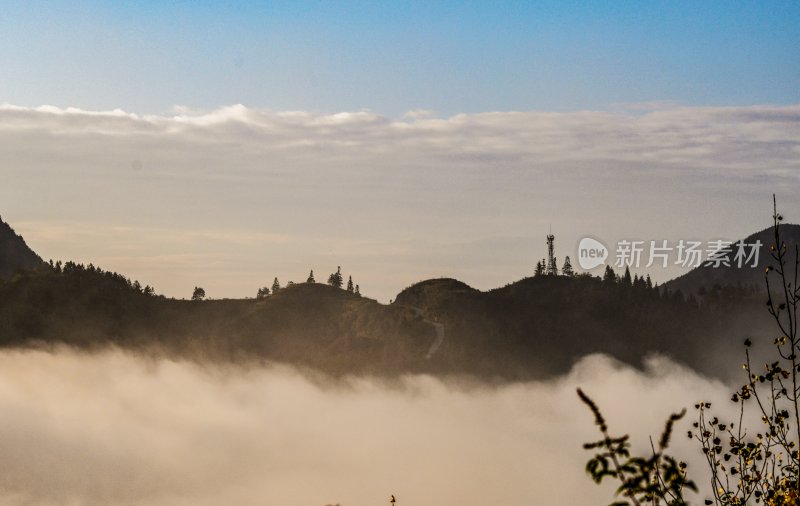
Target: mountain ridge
point(536, 327)
point(704, 278)
point(14, 252)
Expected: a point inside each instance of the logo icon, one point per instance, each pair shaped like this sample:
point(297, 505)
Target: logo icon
point(591, 253)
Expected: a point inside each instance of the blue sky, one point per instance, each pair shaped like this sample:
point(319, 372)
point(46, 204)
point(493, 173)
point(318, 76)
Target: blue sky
point(390, 57)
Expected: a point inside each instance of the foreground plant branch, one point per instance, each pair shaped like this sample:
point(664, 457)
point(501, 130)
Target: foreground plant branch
point(758, 465)
point(654, 480)
point(761, 465)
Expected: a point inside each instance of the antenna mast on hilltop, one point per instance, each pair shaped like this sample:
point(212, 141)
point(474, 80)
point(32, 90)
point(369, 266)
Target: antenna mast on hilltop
point(551, 270)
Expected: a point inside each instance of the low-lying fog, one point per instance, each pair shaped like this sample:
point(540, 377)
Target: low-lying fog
point(111, 428)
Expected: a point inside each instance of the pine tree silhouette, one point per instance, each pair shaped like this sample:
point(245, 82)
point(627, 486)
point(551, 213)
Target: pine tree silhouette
point(566, 270)
point(609, 275)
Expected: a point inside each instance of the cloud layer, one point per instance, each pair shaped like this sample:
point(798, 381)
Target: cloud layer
point(394, 201)
point(725, 139)
point(115, 429)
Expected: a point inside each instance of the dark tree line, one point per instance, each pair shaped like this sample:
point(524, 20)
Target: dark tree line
point(336, 280)
point(74, 269)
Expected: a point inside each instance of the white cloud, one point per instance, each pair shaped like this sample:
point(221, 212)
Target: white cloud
point(111, 428)
point(419, 114)
point(680, 136)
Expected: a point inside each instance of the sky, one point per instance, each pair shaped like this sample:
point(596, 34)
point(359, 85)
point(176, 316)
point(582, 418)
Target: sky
point(392, 57)
point(225, 144)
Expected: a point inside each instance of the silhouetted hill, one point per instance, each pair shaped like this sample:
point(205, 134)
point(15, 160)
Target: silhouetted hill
point(312, 325)
point(14, 253)
point(534, 328)
point(705, 278)
point(330, 329)
point(539, 326)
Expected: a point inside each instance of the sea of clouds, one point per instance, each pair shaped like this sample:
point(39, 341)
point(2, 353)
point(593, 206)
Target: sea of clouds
point(115, 428)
